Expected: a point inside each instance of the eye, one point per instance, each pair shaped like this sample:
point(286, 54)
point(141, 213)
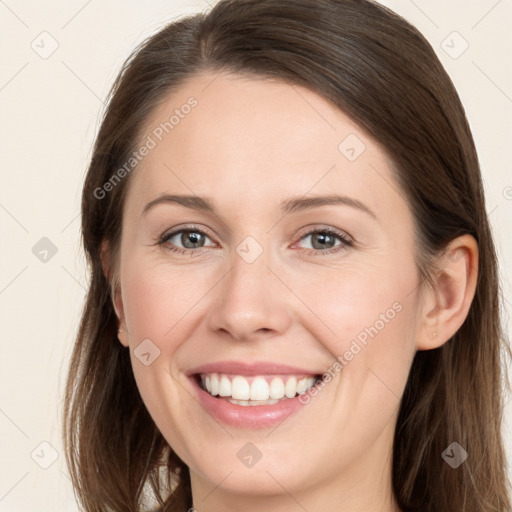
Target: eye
point(327, 240)
point(189, 238)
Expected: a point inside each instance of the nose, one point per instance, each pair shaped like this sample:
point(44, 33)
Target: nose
point(250, 302)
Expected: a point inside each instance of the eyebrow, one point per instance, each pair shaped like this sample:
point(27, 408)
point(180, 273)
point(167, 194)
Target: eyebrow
point(304, 203)
point(291, 205)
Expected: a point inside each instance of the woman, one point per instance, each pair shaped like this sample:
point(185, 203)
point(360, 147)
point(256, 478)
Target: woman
point(294, 299)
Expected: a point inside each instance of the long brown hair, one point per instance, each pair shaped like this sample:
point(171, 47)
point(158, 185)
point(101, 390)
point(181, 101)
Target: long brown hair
point(383, 73)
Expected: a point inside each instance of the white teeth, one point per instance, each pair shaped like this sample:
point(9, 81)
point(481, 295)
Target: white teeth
point(240, 388)
point(302, 385)
point(276, 388)
point(256, 392)
point(214, 383)
point(291, 387)
point(239, 402)
point(259, 389)
point(224, 386)
point(249, 403)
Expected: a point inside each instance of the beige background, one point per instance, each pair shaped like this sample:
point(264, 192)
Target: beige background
point(50, 113)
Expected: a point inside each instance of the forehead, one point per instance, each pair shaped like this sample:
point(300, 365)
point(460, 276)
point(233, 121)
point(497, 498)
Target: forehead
point(232, 136)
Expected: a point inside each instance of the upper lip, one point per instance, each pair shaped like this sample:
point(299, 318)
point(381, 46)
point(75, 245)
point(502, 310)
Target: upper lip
point(250, 369)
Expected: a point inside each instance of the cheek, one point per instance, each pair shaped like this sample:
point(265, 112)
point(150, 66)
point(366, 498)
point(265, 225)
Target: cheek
point(371, 320)
point(159, 298)
point(359, 305)
point(158, 304)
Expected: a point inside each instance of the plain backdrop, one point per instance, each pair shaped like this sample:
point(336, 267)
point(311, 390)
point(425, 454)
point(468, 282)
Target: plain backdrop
point(58, 62)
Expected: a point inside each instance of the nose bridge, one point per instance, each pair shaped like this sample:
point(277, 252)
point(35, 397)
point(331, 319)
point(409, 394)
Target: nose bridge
point(250, 300)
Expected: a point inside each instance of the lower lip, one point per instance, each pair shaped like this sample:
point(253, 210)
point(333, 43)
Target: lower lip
point(248, 417)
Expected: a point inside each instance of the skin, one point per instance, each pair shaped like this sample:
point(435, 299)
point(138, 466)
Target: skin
point(248, 145)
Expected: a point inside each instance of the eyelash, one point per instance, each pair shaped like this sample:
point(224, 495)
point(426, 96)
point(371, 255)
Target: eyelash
point(345, 240)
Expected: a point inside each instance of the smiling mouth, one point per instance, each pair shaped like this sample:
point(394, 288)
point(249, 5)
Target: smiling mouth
point(254, 390)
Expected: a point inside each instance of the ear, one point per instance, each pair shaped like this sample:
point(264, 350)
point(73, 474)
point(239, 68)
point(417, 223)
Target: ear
point(117, 301)
point(446, 305)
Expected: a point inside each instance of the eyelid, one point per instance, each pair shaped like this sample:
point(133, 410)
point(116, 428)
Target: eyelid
point(346, 239)
point(178, 229)
point(319, 228)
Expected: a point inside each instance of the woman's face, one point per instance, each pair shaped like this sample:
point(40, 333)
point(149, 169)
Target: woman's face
point(257, 299)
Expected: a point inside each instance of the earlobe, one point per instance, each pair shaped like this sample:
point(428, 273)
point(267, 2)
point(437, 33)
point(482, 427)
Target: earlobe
point(122, 332)
point(115, 292)
point(122, 335)
point(447, 305)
